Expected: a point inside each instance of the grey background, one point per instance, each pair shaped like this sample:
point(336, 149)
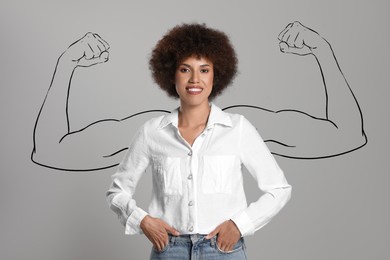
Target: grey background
point(340, 206)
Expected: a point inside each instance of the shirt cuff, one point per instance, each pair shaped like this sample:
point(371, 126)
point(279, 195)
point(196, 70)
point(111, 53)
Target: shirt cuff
point(244, 224)
point(133, 222)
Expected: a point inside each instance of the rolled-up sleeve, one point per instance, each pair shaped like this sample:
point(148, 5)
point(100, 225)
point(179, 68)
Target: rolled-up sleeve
point(260, 163)
point(124, 181)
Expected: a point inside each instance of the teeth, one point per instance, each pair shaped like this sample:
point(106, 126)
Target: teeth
point(194, 89)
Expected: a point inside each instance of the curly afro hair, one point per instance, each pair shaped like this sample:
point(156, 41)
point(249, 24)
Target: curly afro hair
point(188, 40)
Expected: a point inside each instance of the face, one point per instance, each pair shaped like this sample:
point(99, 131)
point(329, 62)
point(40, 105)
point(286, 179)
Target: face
point(194, 81)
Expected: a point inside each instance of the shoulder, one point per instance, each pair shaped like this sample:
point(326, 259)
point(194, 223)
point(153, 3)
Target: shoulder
point(152, 123)
point(242, 126)
point(221, 117)
point(238, 120)
point(145, 131)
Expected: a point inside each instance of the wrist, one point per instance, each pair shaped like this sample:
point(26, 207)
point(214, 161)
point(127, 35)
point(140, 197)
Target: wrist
point(322, 49)
point(66, 61)
point(144, 221)
point(236, 227)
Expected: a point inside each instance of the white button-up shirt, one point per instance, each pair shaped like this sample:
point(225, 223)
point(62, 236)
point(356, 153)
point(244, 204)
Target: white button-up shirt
point(196, 188)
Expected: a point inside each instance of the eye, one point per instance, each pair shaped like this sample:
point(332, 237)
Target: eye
point(204, 70)
point(184, 70)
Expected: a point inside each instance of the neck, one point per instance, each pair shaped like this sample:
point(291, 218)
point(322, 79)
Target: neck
point(194, 115)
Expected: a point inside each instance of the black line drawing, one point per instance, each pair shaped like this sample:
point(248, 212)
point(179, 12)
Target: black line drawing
point(289, 133)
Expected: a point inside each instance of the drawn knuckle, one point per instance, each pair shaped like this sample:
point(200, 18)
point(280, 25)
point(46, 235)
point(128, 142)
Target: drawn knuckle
point(296, 24)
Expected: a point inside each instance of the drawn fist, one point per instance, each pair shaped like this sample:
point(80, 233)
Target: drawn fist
point(87, 51)
point(300, 40)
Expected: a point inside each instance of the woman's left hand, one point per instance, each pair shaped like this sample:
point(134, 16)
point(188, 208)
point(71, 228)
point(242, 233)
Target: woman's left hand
point(228, 235)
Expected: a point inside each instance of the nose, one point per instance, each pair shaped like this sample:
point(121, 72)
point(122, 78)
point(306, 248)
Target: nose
point(194, 77)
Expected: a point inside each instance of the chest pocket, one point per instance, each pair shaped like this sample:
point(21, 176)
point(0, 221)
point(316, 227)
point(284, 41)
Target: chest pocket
point(218, 174)
point(169, 175)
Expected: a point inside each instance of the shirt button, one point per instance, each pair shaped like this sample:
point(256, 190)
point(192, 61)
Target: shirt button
point(190, 203)
point(189, 177)
point(190, 153)
point(191, 229)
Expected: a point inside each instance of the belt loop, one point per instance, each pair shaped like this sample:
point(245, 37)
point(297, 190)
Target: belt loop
point(213, 241)
point(243, 242)
point(172, 239)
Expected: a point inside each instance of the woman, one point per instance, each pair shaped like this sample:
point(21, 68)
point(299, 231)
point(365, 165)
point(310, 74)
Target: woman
point(198, 207)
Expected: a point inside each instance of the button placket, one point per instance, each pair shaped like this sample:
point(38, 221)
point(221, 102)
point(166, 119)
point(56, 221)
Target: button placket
point(191, 177)
point(191, 184)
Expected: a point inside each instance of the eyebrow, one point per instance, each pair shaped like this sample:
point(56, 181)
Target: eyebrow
point(189, 66)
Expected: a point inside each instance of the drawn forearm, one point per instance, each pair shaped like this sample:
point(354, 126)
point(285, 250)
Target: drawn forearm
point(52, 123)
point(342, 107)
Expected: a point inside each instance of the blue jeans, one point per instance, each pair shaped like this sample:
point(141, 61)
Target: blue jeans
point(196, 247)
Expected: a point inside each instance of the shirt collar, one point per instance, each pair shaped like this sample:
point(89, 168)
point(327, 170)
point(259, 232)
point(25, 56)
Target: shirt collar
point(217, 116)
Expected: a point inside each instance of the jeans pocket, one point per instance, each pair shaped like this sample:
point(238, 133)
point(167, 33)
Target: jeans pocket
point(162, 250)
point(237, 247)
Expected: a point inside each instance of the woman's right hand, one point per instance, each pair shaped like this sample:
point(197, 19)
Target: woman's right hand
point(156, 230)
point(87, 51)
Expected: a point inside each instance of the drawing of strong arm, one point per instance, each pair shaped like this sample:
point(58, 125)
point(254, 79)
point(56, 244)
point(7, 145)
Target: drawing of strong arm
point(98, 145)
point(288, 133)
point(296, 134)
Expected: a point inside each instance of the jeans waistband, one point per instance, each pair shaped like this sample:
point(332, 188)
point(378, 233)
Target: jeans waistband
point(193, 238)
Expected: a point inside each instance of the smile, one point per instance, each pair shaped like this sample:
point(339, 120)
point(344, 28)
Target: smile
point(194, 90)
